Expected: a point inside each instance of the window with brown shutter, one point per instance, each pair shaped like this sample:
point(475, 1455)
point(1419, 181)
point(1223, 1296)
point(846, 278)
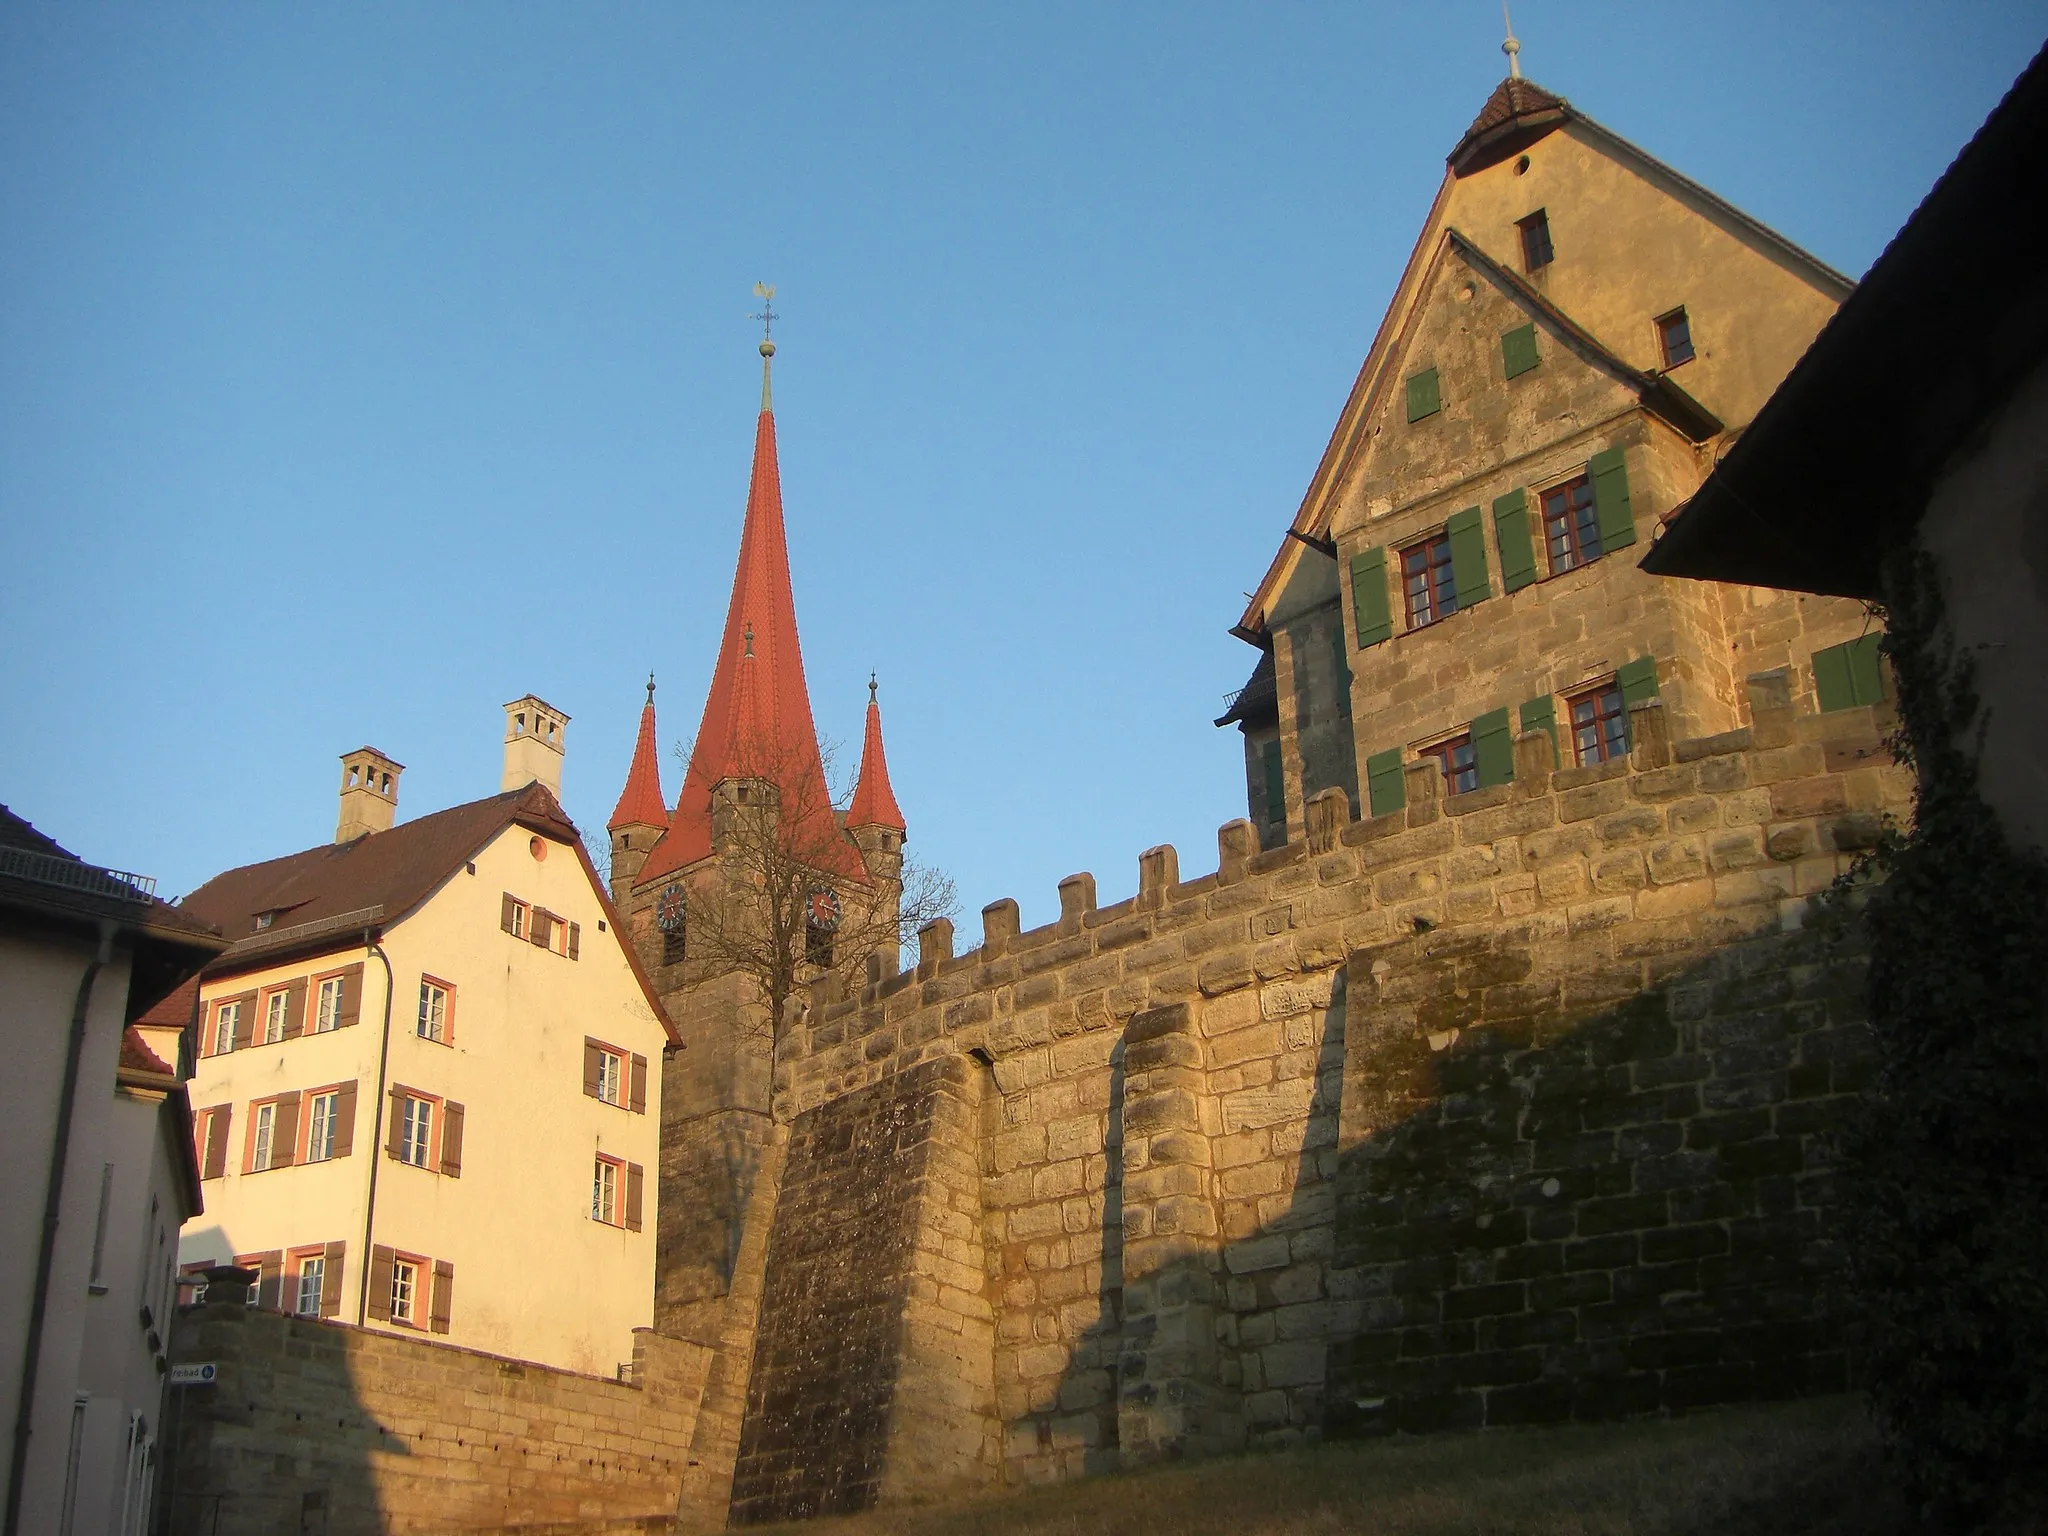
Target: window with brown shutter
point(269, 1269)
point(451, 1140)
point(394, 1139)
point(350, 1008)
point(295, 1009)
point(284, 1136)
point(245, 1019)
point(218, 1120)
point(638, 1102)
point(508, 911)
point(542, 932)
point(575, 940)
point(344, 1120)
point(634, 1180)
point(381, 1261)
point(330, 1280)
point(593, 1067)
point(442, 1306)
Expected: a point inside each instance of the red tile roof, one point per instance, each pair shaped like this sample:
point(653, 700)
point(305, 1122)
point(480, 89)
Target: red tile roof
point(874, 802)
point(641, 802)
point(757, 718)
point(1518, 113)
point(138, 1057)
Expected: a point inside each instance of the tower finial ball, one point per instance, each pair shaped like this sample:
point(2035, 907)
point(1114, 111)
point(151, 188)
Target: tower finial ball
point(767, 349)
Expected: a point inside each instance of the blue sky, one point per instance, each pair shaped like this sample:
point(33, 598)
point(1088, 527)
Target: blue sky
point(363, 367)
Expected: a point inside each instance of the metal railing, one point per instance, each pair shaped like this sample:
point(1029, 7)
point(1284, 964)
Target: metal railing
point(75, 875)
point(362, 917)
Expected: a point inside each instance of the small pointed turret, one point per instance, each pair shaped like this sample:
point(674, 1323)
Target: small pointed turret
point(641, 815)
point(874, 802)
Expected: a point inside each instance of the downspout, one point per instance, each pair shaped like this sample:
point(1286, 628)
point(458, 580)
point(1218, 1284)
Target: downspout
point(376, 1137)
point(46, 1257)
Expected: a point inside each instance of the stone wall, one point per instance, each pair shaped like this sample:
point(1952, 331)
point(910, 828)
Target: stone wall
point(330, 1430)
point(1244, 1128)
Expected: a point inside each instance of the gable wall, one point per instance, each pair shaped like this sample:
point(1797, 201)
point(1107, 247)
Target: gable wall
point(1630, 249)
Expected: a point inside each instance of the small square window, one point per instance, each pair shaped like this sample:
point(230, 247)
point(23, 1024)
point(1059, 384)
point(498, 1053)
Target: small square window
point(1674, 336)
point(1536, 247)
point(1571, 526)
point(1599, 725)
point(1426, 578)
point(1458, 760)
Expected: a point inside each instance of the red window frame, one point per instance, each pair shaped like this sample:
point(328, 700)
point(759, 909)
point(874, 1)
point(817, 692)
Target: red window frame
point(1427, 583)
point(1457, 759)
point(1571, 526)
point(1599, 723)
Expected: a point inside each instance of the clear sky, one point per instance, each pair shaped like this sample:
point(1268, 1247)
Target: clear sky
point(365, 366)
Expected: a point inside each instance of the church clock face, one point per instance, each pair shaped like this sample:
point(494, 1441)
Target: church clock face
point(668, 910)
point(824, 911)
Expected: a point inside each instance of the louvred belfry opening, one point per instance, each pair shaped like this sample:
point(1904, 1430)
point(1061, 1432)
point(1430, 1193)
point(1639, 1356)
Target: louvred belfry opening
point(757, 718)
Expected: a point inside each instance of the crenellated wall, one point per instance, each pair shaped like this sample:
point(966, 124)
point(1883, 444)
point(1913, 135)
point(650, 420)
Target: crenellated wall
point(1506, 1106)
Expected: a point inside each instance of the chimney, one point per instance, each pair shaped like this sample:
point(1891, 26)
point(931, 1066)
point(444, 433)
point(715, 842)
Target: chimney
point(533, 745)
point(369, 793)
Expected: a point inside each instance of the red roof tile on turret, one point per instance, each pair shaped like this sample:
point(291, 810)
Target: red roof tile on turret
point(1516, 115)
point(641, 803)
point(757, 718)
point(874, 802)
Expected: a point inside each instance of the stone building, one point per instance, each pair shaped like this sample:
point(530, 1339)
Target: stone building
point(1578, 336)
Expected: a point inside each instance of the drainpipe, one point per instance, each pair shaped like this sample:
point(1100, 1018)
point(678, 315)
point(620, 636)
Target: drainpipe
point(376, 1138)
point(46, 1257)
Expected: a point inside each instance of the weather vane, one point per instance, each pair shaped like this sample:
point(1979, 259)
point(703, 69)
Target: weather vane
point(765, 292)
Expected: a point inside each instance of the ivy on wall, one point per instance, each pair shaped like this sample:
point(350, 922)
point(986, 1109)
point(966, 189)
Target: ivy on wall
point(1946, 1167)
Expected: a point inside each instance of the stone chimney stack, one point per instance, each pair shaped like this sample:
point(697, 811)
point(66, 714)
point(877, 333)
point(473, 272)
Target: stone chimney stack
point(533, 745)
point(369, 793)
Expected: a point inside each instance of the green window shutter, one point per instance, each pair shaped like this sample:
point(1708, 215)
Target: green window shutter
point(1833, 678)
point(1423, 397)
point(1864, 676)
point(1340, 661)
point(1369, 597)
point(1468, 557)
point(1493, 748)
point(1511, 533)
point(1847, 675)
point(1617, 519)
point(1518, 350)
point(1637, 679)
point(1276, 781)
point(1383, 783)
point(1541, 715)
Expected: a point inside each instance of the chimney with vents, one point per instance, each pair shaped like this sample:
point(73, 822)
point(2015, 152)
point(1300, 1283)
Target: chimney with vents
point(533, 745)
point(369, 793)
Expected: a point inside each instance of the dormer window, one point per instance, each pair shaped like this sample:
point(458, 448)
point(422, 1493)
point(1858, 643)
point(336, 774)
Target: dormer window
point(265, 920)
point(1536, 248)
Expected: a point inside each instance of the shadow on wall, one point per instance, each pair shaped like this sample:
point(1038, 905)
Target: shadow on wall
point(1528, 1189)
point(224, 1476)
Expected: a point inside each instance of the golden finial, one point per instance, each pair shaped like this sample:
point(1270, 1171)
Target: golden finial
point(765, 292)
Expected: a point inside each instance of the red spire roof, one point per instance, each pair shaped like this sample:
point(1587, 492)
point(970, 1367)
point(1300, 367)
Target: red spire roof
point(641, 803)
point(874, 802)
point(757, 718)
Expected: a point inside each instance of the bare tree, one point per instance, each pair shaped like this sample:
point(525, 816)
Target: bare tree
point(787, 895)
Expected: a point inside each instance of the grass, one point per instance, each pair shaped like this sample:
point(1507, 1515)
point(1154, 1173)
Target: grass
point(1800, 1469)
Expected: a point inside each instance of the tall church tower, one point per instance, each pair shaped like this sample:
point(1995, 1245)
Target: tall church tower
point(704, 888)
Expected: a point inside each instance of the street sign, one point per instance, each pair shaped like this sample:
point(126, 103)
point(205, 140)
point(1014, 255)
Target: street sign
point(201, 1375)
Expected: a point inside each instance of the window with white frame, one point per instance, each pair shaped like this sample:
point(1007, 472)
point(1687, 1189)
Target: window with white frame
point(604, 1194)
point(415, 1131)
point(260, 1148)
point(611, 1076)
point(327, 1015)
point(321, 1110)
point(275, 1006)
point(433, 1023)
point(312, 1277)
point(227, 1021)
point(405, 1288)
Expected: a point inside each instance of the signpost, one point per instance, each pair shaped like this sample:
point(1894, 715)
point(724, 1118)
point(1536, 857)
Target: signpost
point(203, 1374)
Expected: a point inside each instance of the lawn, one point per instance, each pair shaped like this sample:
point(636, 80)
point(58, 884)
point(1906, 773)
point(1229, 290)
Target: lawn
point(1800, 1469)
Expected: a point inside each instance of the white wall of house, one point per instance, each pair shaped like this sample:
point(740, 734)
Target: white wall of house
point(535, 1276)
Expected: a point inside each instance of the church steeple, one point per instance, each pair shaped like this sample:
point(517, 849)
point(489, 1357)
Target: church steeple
point(641, 815)
point(874, 802)
point(757, 718)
